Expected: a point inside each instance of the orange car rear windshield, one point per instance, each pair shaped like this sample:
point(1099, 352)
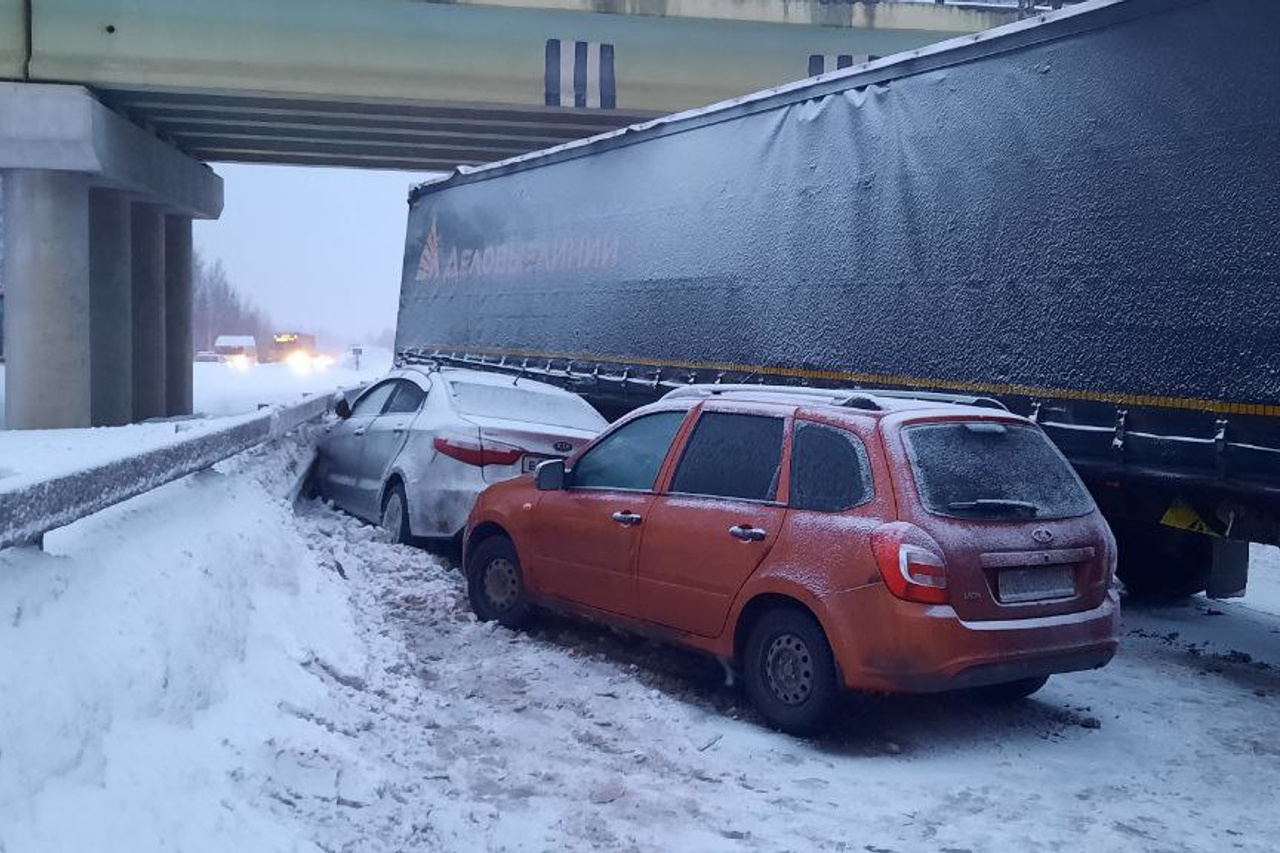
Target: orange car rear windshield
point(984, 470)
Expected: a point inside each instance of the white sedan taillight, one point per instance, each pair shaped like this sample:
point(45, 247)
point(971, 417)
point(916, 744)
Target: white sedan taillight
point(472, 451)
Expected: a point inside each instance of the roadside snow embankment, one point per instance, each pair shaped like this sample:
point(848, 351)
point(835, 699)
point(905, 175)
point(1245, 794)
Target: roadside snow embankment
point(1263, 593)
point(151, 658)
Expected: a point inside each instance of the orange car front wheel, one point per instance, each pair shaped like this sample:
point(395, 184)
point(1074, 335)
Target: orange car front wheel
point(495, 583)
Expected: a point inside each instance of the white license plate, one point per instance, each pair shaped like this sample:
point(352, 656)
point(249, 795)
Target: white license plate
point(530, 463)
point(1036, 583)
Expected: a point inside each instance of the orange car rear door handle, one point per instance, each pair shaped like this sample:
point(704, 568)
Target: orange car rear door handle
point(627, 519)
point(747, 534)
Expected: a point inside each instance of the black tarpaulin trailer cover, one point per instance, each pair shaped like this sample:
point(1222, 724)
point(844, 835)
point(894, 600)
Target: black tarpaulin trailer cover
point(1085, 206)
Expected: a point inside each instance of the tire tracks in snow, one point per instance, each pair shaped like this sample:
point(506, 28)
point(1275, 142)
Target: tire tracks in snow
point(572, 737)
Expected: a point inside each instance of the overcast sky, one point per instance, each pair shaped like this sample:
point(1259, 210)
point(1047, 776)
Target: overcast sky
point(318, 249)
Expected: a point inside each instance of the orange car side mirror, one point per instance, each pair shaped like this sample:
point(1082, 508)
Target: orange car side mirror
point(550, 475)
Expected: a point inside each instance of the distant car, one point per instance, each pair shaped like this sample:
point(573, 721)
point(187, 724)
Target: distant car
point(239, 351)
point(818, 541)
point(414, 450)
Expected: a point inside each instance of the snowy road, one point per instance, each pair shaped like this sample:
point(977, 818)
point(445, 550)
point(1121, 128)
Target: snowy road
point(574, 738)
point(205, 669)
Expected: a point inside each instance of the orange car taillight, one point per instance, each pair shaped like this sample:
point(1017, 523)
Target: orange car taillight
point(473, 452)
point(910, 563)
point(1110, 559)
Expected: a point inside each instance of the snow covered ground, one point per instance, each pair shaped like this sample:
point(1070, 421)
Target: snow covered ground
point(151, 653)
point(202, 668)
point(1263, 592)
point(210, 667)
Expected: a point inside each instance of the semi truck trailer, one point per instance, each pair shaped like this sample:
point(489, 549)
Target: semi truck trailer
point(1076, 217)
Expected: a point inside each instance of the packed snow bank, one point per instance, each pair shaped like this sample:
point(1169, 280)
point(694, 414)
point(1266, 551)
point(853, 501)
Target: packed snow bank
point(153, 658)
point(1263, 591)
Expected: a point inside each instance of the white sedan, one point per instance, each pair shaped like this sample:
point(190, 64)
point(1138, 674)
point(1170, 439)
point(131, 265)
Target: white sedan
point(415, 449)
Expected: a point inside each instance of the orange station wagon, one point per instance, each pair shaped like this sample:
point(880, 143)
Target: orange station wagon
point(815, 541)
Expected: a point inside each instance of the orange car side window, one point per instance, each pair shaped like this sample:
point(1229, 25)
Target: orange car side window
point(629, 458)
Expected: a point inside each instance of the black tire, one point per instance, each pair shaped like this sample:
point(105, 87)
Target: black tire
point(789, 671)
point(495, 583)
point(1011, 691)
point(395, 514)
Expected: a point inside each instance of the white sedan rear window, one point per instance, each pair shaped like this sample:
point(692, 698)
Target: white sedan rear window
point(518, 404)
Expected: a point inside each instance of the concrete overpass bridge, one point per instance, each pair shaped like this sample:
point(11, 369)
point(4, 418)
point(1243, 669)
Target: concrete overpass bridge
point(112, 107)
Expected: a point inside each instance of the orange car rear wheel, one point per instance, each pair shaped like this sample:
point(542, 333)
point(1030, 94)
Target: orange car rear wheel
point(789, 671)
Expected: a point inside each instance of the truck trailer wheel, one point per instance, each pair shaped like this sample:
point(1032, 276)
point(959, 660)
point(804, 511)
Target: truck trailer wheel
point(1162, 562)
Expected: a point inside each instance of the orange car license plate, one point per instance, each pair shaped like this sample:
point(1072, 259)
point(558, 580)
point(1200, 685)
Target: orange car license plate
point(1035, 583)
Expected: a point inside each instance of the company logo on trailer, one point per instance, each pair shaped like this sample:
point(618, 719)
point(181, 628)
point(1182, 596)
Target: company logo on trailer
point(429, 260)
point(514, 257)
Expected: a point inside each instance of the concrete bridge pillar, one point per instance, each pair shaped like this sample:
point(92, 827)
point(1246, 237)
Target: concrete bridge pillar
point(46, 318)
point(179, 349)
point(98, 213)
point(149, 390)
point(111, 307)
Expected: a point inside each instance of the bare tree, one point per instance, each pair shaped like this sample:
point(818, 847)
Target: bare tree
point(219, 309)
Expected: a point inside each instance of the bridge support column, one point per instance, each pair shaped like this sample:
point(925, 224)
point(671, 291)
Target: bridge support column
point(46, 318)
point(87, 196)
point(179, 352)
point(149, 389)
point(111, 307)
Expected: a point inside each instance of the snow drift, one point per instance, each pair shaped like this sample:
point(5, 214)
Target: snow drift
point(149, 654)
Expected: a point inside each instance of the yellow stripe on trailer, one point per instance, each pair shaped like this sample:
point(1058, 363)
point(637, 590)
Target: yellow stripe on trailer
point(1219, 406)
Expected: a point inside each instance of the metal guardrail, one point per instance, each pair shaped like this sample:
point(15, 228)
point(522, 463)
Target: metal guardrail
point(31, 511)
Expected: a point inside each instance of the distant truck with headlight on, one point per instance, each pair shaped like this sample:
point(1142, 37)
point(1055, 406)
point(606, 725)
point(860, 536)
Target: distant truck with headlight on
point(286, 344)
